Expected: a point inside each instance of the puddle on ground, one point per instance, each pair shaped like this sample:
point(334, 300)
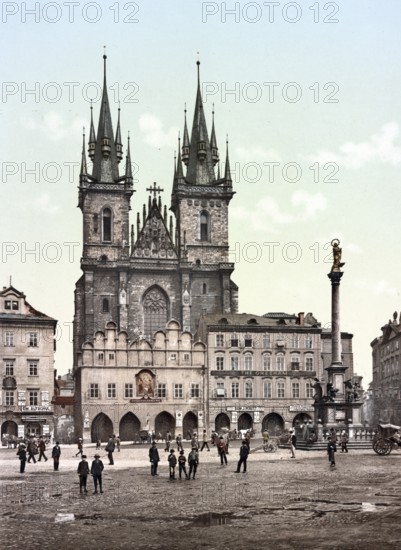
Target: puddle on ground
point(211, 518)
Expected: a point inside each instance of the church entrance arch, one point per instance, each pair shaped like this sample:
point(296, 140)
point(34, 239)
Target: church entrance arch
point(189, 424)
point(222, 421)
point(129, 427)
point(102, 428)
point(273, 423)
point(9, 427)
point(245, 421)
point(155, 311)
point(165, 422)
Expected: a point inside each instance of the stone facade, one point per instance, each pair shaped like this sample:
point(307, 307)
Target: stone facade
point(262, 369)
point(27, 360)
point(125, 386)
point(385, 394)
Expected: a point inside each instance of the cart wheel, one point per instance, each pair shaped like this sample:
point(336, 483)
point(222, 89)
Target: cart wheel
point(382, 447)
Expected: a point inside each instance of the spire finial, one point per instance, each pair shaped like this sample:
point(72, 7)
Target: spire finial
point(198, 64)
point(10, 280)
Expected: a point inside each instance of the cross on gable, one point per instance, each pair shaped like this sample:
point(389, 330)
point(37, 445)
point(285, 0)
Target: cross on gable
point(154, 190)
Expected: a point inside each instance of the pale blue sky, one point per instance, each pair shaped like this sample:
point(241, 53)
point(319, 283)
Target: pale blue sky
point(156, 57)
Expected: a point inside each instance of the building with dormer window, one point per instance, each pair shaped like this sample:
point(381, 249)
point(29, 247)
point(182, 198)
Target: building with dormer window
point(27, 348)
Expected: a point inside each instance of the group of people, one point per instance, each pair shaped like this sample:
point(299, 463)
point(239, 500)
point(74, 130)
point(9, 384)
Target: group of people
point(26, 453)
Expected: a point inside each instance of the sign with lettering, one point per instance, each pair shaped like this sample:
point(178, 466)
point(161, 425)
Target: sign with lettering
point(301, 408)
point(34, 408)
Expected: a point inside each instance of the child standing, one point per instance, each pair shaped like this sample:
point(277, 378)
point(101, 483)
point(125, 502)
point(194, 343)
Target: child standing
point(172, 460)
point(83, 472)
point(331, 449)
point(181, 465)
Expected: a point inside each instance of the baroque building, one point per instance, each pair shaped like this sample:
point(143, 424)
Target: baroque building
point(27, 357)
point(385, 390)
point(140, 277)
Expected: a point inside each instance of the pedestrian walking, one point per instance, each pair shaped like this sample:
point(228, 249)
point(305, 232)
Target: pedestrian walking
point(331, 450)
point(110, 449)
point(168, 441)
point(293, 443)
point(98, 444)
point(154, 459)
point(243, 456)
point(204, 441)
point(181, 465)
point(96, 471)
point(172, 462)
point(80, 447)
point(56, 452)
point(83, 472)
point(221, 448)
point(178, 440)
point(194, 441)
point(193, 461)
point(32, 450)
point(42, 448)
point(266, 436)
point(344, 442)
point(118, 443)
point(21, 453)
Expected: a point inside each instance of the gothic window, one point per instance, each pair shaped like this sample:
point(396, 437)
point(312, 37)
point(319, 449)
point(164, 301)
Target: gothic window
point(105, 305)
point(204, 288)
point(155, 310)
point(204, 226)
point(107, 225)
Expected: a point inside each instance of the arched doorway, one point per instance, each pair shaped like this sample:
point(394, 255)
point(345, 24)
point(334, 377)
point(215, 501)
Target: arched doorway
point(102, 428)
point(301, 419)
point(222, 421)
point(273, 423)
point(245, 421)
point(189, 424)
point(9, 427)
point(165, 422)
point(129, 427)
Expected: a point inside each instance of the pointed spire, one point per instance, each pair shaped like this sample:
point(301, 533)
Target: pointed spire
point(143, 215)
point(165, 214)
point(179, 172)
point(128, 166)
point(138, 223)
point(185, 143)
point(118, 143)
point(92, 137)
point(105, 162)
point(159, 202)
point(200, 164)
point(84, 169)
point(171, 226)
point(227, 172)
point(132, 238)
point(213, 142)
point(218, 170)
point(149, 203)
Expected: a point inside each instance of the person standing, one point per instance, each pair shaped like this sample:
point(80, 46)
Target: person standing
point(154, 459)
point(98, 444)
point(193, 461)
point(110, 449)
point(22, 457)
point(96, 471)
point(181, 465)
point(204, 441)
point(243, 456)
point(80, 447)
point(265, 435)
point(83, 472)
point(293, 443)
point(331, 450)
point(221, 447)
point(56, 452)
point(42, 448)
point(178, 440)
point(118, 443)
point(194, 441)
point(172, 461)
point(344, 442)
point(168, 441)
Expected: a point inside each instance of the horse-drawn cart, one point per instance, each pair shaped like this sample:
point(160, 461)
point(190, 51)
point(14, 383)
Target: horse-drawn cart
point(386, 439)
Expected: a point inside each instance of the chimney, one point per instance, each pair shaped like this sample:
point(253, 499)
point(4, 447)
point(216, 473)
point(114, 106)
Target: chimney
point(301, 318)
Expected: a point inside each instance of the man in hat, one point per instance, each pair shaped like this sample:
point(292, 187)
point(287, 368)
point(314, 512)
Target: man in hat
point(110, 449)
point(80, 447)
point(56, 452)
point(83, 472)
point(42, 448)
point(221, 447)
point(193, 461)
point(22, 457)
point(293, 443)
point(243, 456)
point(172, 461)
point(96, 471)
point(154, 459)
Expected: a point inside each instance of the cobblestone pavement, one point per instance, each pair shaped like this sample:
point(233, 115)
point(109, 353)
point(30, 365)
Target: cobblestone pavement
point(280, 503)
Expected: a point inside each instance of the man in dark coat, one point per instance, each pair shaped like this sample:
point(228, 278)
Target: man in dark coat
point(154, 459)
point(56, 452)
point(96, 471)
point(110, 449)
point(42, 448)
point(83, 472)
point(243, 455)
point(221, 447)
point(22, 457)
point(32, 450)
